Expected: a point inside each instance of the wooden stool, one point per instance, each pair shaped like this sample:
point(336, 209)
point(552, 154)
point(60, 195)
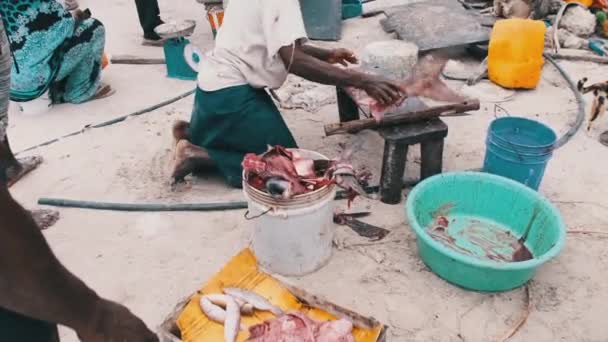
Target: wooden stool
point(429, 134)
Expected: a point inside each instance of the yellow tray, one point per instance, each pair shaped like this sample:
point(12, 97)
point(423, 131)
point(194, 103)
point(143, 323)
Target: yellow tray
point(189, 324)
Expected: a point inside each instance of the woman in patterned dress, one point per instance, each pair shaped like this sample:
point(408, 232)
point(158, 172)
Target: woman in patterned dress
point(53, 51)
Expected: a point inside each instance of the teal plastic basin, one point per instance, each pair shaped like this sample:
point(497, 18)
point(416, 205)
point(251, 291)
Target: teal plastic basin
point(468, 224)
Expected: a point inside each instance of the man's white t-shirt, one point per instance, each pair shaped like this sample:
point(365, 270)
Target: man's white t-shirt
point(248, 42)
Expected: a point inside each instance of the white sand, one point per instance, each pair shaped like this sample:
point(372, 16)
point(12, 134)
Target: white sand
point(150, 261)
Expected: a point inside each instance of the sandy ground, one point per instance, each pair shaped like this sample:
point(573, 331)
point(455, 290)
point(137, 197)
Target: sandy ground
point(150, 261)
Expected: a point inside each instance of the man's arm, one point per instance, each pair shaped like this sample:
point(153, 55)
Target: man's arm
point(333, 56)
point(314, 69)
point(316, 52)
point(35, 284)
point(32, 281)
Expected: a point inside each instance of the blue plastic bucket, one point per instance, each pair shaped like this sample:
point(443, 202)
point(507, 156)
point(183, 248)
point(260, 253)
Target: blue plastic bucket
point(519, 149)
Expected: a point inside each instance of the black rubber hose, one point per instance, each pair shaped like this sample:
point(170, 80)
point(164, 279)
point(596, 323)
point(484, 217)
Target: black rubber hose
point(158, 207)
point(580, 118)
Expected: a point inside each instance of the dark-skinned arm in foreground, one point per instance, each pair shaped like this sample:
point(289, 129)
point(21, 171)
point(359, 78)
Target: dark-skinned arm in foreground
point(312, 64)
point(333, 56)
point(35, 284)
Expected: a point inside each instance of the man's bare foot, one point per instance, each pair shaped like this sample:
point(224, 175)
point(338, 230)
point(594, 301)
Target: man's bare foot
point(189, 158)
point(25, 166)
point(180, 130)
point(45, 219)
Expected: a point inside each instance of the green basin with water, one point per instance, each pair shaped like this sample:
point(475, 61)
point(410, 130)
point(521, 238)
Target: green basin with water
point(468, 226)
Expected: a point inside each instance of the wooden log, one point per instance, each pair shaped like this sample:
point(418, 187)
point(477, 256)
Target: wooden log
point(128, 59)
point(399, 119)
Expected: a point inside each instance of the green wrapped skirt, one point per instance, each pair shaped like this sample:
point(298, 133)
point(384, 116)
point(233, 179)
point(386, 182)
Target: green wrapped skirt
point(232, 122)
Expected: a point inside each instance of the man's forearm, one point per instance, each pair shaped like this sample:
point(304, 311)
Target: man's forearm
point(316, 52)
point(316, 70)
point(32, 281)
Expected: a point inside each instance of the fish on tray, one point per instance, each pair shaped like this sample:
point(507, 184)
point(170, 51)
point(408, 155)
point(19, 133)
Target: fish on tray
point(222, 301)
point(227, 308)
point(212, 308)
point(258, 302)
point(425, 81)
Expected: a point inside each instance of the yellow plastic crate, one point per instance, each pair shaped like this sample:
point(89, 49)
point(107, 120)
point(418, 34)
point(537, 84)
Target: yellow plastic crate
point(189, 324)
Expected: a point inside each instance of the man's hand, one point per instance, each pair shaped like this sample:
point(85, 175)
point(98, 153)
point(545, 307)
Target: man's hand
point(382, 90)
point(113, 322)
point(342, 56)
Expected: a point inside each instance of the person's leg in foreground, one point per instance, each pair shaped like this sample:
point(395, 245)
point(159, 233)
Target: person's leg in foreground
point(37, 292)
point(149, 18)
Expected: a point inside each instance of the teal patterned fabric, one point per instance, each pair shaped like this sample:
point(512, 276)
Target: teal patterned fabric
point(5, 80)
point(52, 51)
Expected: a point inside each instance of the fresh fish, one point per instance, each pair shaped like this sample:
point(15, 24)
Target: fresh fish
point(254, 299)
point(247, 309)
point(214, 311)
point(233, 320)
point(222, 301)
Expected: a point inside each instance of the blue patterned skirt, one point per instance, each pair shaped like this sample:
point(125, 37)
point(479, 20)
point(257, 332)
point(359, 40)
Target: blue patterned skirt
point(52, 51)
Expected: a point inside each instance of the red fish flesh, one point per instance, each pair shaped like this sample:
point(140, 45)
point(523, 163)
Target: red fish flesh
point(297, 327)
point(276, 163)
point(425, 82)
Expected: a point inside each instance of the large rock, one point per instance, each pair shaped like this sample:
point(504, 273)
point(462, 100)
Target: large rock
point(579, 21)
point(394, 59)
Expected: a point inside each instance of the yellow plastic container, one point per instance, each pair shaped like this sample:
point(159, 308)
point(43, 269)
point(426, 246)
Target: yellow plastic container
point(585, 3)
point(515, 56)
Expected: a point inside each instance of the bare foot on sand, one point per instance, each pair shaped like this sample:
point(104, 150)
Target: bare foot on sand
point(45, 219)
point(189, 158)
point(25, 166)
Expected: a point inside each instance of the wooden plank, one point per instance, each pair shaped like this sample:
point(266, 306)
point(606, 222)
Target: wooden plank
point(399, 119)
